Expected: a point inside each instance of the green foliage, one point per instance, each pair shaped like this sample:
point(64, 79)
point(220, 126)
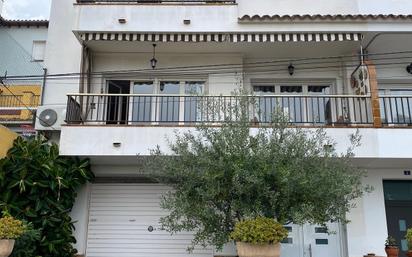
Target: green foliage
point(390, 241)
point(259, 231)
point(25, 245)
point(11, 228)
point(408, 238)
point(220, 176)
point(39, 186)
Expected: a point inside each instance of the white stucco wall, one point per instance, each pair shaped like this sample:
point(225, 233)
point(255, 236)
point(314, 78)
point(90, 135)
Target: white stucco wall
point(367, 230)
point(80, 215)
point(224, 18)
point(63, 54)
point(376, 143)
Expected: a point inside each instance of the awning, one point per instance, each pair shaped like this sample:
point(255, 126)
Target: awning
point(221, 37)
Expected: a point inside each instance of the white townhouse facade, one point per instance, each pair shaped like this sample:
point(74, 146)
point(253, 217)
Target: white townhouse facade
point(22, 49)
point(339, 64)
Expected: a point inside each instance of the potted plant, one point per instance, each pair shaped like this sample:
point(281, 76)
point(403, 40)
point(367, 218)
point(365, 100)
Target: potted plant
point(10, 229)
point(391, 248)
point(408, 238)
point(259, 237)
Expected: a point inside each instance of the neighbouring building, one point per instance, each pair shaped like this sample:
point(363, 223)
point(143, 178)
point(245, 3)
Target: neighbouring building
point(22, 49)
point(339, 64)
point(7, 137)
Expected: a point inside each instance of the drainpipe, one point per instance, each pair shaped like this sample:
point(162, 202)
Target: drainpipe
point(43, 86)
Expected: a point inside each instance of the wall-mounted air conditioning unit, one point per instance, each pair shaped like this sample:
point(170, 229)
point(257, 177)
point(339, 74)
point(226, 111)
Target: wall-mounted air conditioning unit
point(50, 117)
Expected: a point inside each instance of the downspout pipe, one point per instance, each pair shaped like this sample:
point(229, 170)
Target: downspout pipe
point(43, 86)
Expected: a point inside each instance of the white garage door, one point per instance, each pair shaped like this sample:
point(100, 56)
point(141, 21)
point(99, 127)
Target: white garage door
point(120, 221)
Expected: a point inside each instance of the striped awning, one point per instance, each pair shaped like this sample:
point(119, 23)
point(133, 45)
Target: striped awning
point(221, 37)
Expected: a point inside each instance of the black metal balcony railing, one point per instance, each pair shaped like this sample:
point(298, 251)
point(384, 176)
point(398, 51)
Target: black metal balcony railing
point(307, 110)
point(396, 110)
point(160, 1)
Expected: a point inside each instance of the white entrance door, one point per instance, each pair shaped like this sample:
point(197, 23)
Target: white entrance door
point(124, 222)
point(312, 241)
point(317, 242)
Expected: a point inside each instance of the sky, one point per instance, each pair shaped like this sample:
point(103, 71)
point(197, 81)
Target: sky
point(26, 9)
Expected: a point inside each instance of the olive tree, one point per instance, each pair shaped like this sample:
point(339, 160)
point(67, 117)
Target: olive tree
point(221, 175)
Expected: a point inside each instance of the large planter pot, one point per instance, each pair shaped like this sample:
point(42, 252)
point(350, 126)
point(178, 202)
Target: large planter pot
point(251, 250)
point(392, 251)
point(6, 247)
point(409, 253)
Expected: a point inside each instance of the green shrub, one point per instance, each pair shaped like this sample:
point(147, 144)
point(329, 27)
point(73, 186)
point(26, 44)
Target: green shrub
point(40, 186)
point(11, 228)
point(259, 231)
point(25, 245)
point(408, 238)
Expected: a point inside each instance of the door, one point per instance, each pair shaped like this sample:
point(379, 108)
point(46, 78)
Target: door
point(312, 241)
point(117, 107)
point(321, 242)
point(124, 222)
point(398, 204)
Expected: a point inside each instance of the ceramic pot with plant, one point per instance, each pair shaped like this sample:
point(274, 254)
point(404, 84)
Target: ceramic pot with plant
point(391, 248)
point(10, 230)
point(259, 237)
point(408, 238)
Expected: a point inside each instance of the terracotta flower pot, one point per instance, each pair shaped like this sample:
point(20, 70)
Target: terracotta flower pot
point(409, 253)
point(392, 251)
point(6, 247)
point(251, 250)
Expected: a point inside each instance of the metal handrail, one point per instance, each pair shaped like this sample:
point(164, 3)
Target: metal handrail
point(188, 95)
point(159, 1)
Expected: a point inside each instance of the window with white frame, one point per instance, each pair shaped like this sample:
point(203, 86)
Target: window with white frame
point(302, 103)
point(167, 100)
point(396, 103)
point(38, 50)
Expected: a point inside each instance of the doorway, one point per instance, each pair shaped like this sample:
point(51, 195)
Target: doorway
point(117, 106)
point(398, 204)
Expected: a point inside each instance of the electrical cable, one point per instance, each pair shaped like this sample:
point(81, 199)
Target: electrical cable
point(202, 67)
point(24, 105)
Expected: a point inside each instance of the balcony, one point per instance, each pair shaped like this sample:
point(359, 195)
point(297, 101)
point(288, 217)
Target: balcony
point(16, 109)
point(190, 110)
point(129, 125)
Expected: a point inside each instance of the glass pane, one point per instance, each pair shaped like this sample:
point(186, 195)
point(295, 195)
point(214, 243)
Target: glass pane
point(404, 245)
point(193, 111)
point(266, 105)
point(292, 105)
point(318, 107)
point(142, 105)
point(398, 190)
point(263, 89)
point(169, 105)
point(288, 240)
point(291, 89)
point(400, 111)
point(321, 230)
point(322, 241)
point(402, 225)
